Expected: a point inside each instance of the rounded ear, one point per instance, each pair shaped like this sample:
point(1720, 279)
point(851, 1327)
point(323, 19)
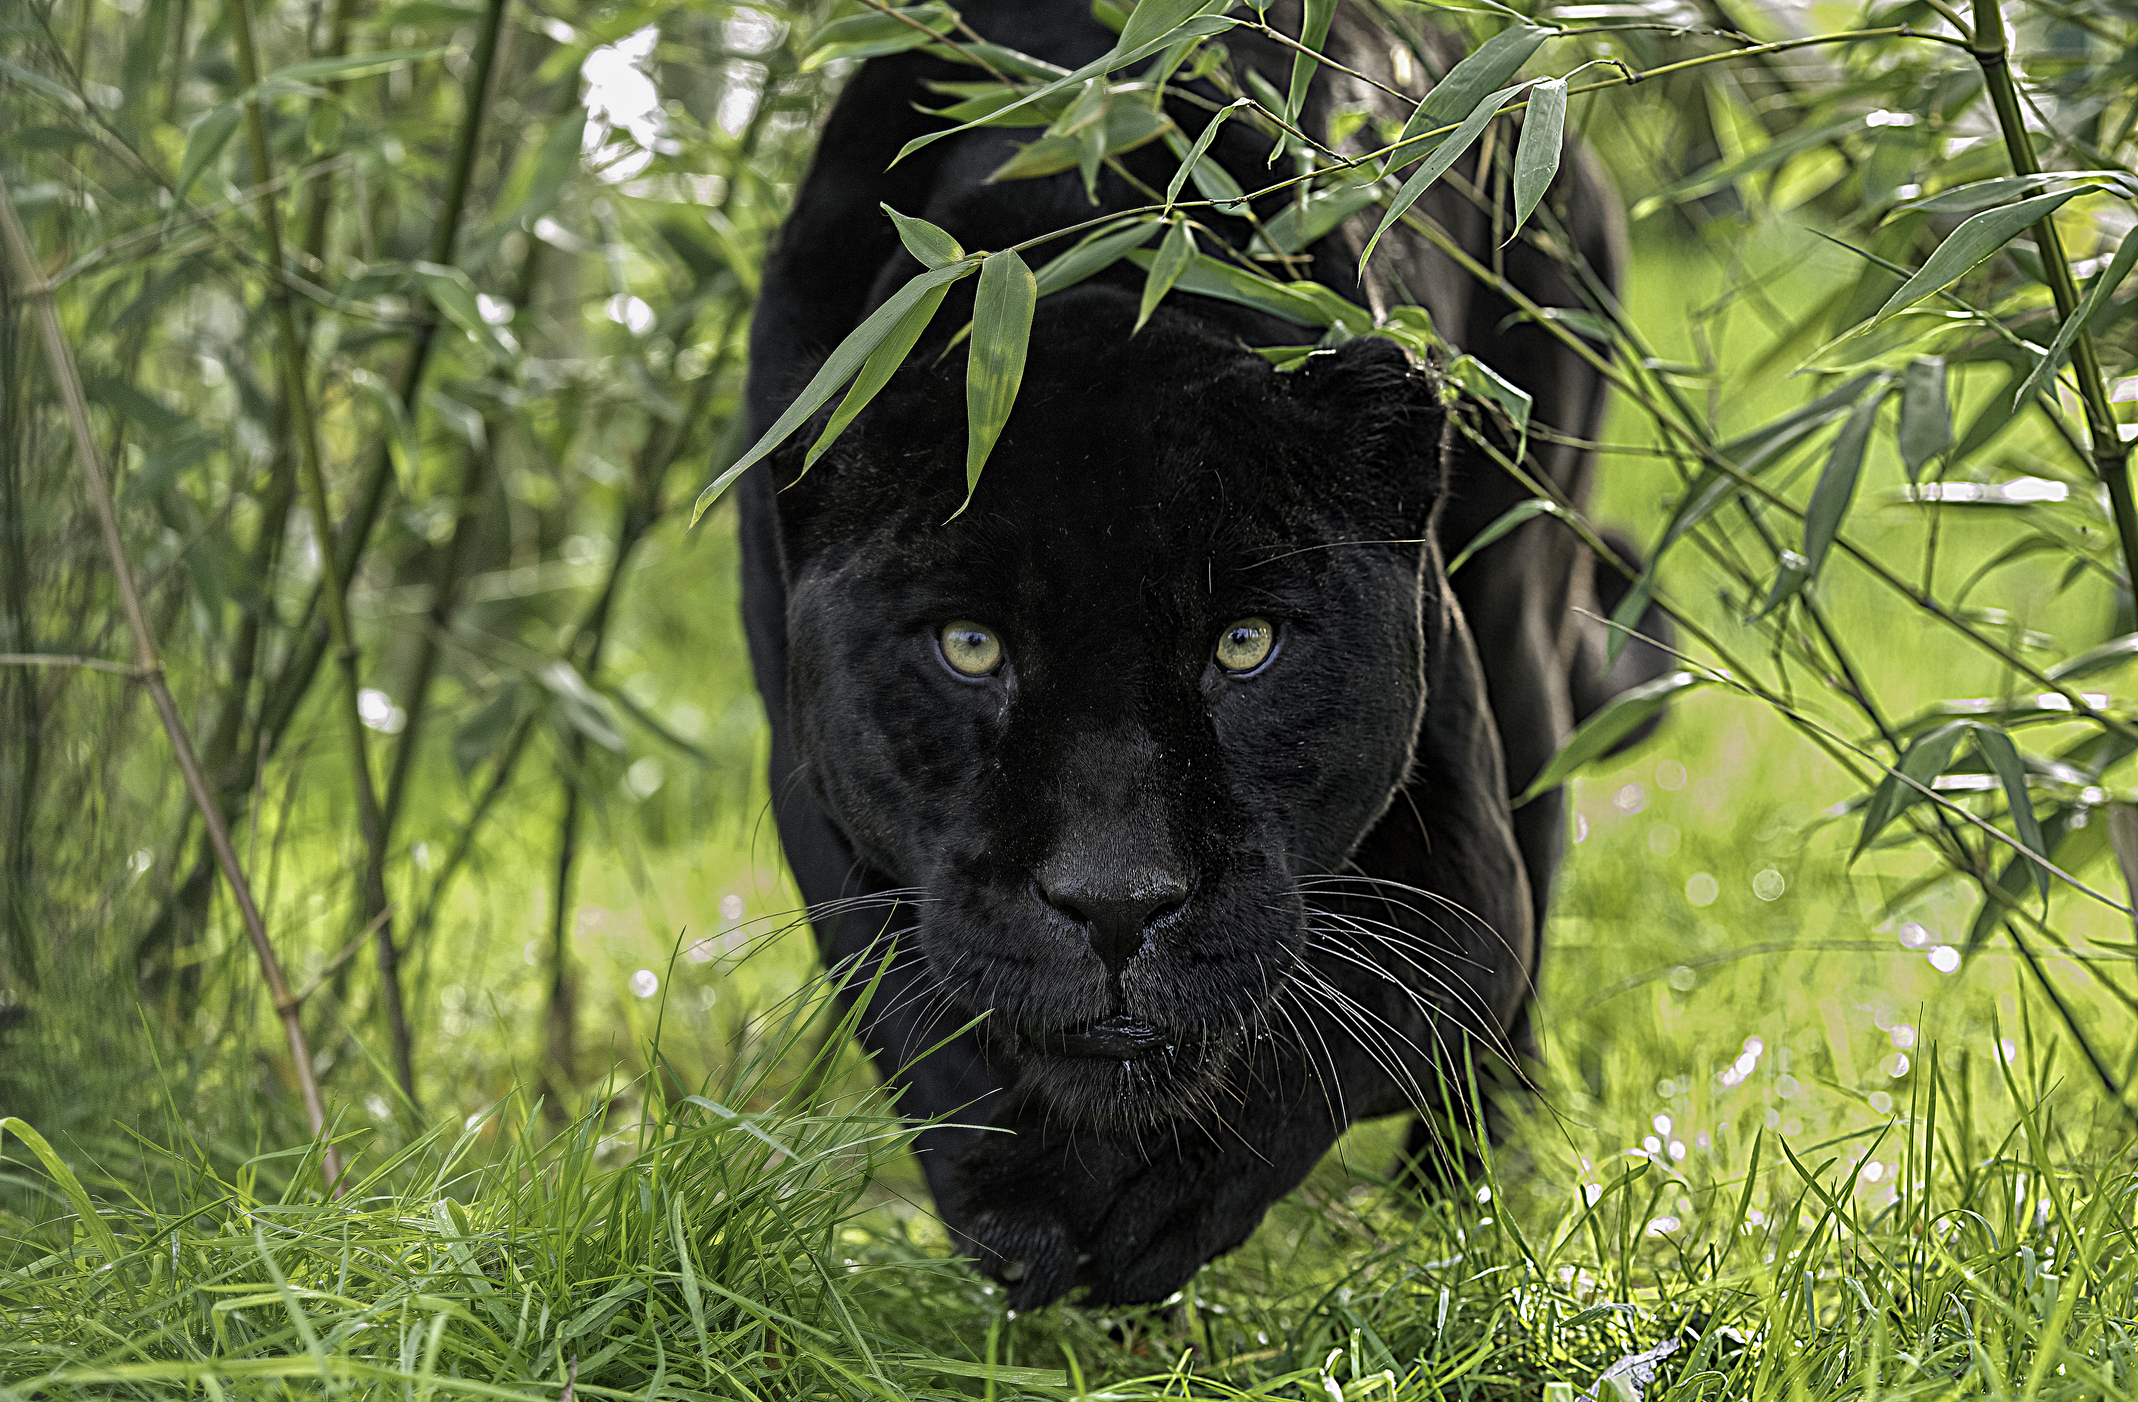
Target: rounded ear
point(1388, 409)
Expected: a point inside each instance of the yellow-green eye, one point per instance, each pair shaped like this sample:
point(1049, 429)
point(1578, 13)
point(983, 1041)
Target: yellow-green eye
point(971, 649)
point(1245, 645)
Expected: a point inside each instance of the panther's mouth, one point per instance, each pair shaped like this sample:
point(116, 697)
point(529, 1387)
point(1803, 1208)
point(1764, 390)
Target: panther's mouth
point(1118, 1038)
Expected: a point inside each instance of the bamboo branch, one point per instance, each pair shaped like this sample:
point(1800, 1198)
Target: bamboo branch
point(151, 670)
point(297, 392)
point(1992, 50)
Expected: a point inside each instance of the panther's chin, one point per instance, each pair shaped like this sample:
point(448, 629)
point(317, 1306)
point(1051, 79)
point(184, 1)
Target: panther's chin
point(1121, 1074)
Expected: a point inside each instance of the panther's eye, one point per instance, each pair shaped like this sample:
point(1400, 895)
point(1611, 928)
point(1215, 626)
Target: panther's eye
point(1246, 645)
point(970, 649)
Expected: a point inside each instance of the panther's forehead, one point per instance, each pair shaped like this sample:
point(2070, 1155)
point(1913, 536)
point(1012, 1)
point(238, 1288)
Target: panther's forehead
point(1131, 459)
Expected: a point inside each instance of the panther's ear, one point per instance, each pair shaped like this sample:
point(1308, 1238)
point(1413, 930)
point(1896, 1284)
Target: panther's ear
point(1388, 411)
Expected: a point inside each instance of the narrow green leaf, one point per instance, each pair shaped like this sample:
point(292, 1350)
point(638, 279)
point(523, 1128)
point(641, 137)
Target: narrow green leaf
point(453, 295)
point(1175, 255)
point(1536, 157)
point(1128, 125)
point(1002, 331)
point(1925, 420)
point(876, 371)
point(1512, 517)
point(203, 144)
point(583, 708)
point(1926, 757)
point(1302, 303)
point(1303, 222)
point(930, 246)
point(1619, 717)
point(1489, 66)
point(1486, 383)
point(1436, 165)
point(2012, 880)
point(321, 70)
point(875, 33)
point(1153, 21)
point(1095, 254)
point(402, 441)
point(2098, 292)
point(1199, 150)
point(1971, 243)
point(1996, 747)
point(1793, 574)
point(1313, 33)
point(1200, 17)
point(838, 367)
point(1837, 485)
point(1982, 194)
point(100, 1233)
point(2095, 659)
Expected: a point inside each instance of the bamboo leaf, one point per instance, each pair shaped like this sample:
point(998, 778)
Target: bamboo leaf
point(1200, 149)
point(1489, 66)
point(583, 708)
point(2098, 292)
point(1436, 165)
point(1175, 255)
point(1971, 243)
point(1512, 517)
point(1128, 125)
point(1486, 383)
point(453, 295)
point(875, 33)
point(1302, 303)
point(838, 367)
point(1313, 33)
point(1793, 574)
point(930, 246)
point(1595, 737)
point(1837, 485)
point(2096, 659)
point(1093, 255)
point(2003, 757)
point(1152, 22)
point(1926, 757)
point(1925, 421)
point(1002, 332)
point(203, 144)
point(1536, 157)
point(100, 1233)
point(1982, 194)
point(876, 371)
point(298, 77)
point(1150, 28)
point(1304, 222)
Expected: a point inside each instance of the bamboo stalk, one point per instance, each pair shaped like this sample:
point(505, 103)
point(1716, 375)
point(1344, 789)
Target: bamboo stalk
point(151, 668)
point(305, 427)
point(294, 679)
point(2111, 459)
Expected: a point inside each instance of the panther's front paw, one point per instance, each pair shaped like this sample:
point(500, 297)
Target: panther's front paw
point(1045, 1212)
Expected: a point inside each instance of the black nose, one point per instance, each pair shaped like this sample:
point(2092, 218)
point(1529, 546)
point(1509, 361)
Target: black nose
point(1115, 906)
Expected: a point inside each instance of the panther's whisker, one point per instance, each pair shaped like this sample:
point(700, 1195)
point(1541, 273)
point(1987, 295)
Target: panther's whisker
point(1348, 1010)
point(1460, 996)
point(1425, 1008)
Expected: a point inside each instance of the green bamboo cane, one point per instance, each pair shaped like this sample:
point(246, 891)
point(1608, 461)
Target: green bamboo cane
point(1992, 49)
point(305, 428)
point(150, 668)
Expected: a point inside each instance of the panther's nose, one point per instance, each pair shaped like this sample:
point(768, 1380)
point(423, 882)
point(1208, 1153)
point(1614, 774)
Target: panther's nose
point(1115, 906)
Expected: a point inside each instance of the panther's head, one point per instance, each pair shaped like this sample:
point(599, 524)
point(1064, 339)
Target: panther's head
point(1166, 666)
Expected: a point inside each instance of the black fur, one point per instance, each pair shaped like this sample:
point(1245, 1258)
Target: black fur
point(1301, 892)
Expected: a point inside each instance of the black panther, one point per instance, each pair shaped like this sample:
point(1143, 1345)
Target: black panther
point(1176, 760)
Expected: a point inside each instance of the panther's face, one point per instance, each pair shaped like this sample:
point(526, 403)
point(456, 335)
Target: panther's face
point(1165, 666)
